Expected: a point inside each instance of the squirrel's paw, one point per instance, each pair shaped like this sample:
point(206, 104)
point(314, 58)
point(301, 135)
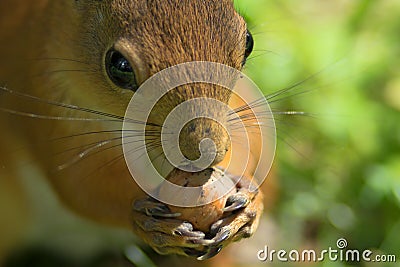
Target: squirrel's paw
point(158, 227)
point(241, 216)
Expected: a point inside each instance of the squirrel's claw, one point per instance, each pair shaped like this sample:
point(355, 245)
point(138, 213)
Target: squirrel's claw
point(152, 207)
point(236, 202)
point(186, 230)
point(213, 251)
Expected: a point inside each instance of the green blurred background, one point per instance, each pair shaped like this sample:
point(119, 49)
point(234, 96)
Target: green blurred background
point(338, 169)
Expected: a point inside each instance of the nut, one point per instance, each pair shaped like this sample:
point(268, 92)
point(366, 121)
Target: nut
point(212, 185)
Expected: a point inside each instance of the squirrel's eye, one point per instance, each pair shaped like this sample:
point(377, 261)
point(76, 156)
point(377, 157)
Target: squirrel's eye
point(120, 71)
point(249, 44)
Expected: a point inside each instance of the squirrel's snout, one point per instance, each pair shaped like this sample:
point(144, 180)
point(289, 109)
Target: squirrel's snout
point(206, 139)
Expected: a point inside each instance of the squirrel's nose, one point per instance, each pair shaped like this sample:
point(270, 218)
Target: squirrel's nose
point(203, 137)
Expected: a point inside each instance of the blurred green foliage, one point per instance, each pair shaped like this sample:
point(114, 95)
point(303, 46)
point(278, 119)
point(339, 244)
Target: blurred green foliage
point(339, 167)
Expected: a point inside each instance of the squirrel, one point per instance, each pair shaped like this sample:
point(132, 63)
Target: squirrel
point(84, 60)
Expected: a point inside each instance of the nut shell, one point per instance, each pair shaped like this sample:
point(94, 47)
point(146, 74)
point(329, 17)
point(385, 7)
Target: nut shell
point(212, 185)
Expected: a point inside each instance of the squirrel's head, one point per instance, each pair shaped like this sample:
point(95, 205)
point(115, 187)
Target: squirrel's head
point(121, 43)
